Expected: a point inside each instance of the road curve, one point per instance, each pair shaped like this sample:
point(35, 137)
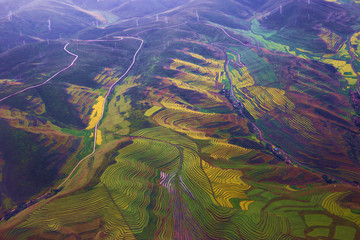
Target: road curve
point(104, 103)
point(49, 79)
point(45, 195)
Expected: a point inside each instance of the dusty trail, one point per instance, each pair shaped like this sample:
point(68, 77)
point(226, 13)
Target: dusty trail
point(177, 184)
point(46, 195)
point(49, 79)
point(104, 103)
point(117, 38)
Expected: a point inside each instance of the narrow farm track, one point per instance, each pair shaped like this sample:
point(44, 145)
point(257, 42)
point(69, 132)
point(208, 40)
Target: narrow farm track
point(104, 102)
point(46, 195)
point(176, 199)
point(49, 79)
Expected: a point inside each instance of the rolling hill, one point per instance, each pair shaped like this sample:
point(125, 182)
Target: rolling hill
point(166, 119)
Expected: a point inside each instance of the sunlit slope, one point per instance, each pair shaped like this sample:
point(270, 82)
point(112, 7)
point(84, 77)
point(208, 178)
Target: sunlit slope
point(312, 105)
point(175, 155)
point(161, 174)
point(44, 129)
point(303, 101)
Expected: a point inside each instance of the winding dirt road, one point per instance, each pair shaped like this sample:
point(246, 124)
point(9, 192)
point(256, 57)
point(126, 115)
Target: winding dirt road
point(223, 48)
point(104, 103)
point(103, 106)
point(49, 79)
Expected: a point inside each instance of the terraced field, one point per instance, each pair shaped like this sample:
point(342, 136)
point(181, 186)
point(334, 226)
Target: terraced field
point(196, 120)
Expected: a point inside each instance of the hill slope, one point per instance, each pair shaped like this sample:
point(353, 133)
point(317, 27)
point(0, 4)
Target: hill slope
point(190, 120)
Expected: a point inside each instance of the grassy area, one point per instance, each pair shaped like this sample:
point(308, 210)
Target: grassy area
point(174, 159)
